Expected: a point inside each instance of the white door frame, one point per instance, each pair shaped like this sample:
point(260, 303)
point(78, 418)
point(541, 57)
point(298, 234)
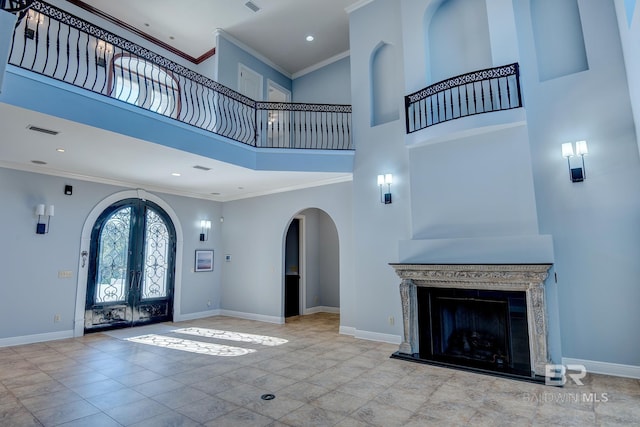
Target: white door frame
point(302, 263)
point(284, 118)
point(244, 70)
point(275, 86)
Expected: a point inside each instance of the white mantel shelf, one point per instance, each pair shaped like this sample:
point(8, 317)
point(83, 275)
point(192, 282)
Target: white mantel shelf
point(528, 278)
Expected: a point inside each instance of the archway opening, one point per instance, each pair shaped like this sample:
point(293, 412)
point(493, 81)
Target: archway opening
point(311, 265)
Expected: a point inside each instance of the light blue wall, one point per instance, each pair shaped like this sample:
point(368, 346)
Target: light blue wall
point(458, 34)
point(377, 227)
point(329, 262)
point(322, 276)
point(7, 25)
point(467, 188)
point(254, 234)
point(230, 56)
point(384, 86)
point(330, 84)
point(594, 224)
point(629, 27)
point(557, 33)
point(32, 293)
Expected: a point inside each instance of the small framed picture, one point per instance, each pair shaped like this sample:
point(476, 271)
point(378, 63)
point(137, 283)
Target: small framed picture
point(204, 260)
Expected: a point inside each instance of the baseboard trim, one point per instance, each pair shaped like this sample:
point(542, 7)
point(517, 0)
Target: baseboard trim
point(614, 369)
point(347, 330)
point(377, 336)
point(30, 339)
point(194, 316)
point(370, 336)
point(322, 309)
point(252, 316)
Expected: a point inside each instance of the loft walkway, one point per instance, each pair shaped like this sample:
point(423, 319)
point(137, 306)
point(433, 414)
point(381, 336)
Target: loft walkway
point(51, 42)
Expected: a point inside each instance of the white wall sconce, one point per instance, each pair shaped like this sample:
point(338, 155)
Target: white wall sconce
point(205, 226)
point(385, 179)
point(577, 174)
point(44, 215)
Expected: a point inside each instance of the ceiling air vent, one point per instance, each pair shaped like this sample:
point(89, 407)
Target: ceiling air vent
point(202, 168)
point(42, 130)
point(251, 5)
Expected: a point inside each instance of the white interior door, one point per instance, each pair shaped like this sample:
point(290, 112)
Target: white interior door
point(279, 132)
point(249, 83)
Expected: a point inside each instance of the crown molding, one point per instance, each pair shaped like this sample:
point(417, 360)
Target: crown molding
point(357, 5)
point(321, 64)
point(219, 32)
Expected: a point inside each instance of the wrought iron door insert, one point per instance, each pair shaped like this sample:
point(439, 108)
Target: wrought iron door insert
point(131, 267)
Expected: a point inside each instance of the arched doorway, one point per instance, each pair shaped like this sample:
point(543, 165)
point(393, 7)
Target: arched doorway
point(311, 264)
point(85, 246)
point(131, 266)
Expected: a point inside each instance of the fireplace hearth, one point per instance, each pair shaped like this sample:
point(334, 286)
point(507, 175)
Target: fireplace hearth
point(489, 318)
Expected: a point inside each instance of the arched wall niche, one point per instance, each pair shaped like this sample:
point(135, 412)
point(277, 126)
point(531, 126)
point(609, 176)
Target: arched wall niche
point(457, 38)
point(384, 91)
point(558, 38)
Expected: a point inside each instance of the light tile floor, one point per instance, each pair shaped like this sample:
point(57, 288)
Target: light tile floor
point(204, 376)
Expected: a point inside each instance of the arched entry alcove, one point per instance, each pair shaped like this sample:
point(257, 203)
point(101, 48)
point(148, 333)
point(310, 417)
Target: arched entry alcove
point(85, 247)
point(311, 249)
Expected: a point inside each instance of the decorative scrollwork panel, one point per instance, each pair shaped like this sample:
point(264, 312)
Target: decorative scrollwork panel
point(156, 257)
point(111, 283)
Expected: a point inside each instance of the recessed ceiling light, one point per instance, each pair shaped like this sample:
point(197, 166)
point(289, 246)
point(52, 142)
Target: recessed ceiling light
point(175, 174)
point(38, 162)
point(171, 38)
point(240, 188)
point(60, 150)
point(310, 38)
point(215, 194)
point(146, 24)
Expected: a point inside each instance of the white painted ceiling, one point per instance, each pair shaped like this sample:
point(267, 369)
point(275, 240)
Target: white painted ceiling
point(277, 31)
point(102, 156)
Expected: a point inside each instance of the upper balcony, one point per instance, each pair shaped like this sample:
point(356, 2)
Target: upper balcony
point(465, 96)
point(58, 45)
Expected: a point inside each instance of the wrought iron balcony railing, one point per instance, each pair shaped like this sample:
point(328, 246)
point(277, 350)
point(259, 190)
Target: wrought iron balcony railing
point(473, 93)
point(54, 43)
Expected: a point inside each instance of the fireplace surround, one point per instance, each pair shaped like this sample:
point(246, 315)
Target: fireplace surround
point(443, 304)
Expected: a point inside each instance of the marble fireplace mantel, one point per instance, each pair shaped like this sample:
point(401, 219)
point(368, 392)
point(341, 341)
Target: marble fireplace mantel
point(528, 278)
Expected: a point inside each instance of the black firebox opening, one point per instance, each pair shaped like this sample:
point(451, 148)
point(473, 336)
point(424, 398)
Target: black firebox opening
point(478, 329)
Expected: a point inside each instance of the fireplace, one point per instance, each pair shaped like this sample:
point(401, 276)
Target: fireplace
point(474, 328)
point(489, 318)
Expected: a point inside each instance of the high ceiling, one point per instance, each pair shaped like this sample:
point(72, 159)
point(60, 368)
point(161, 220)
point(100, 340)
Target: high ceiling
point(278, 30)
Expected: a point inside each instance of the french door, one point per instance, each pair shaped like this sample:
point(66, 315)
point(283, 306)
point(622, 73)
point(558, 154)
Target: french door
point(131, 267)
